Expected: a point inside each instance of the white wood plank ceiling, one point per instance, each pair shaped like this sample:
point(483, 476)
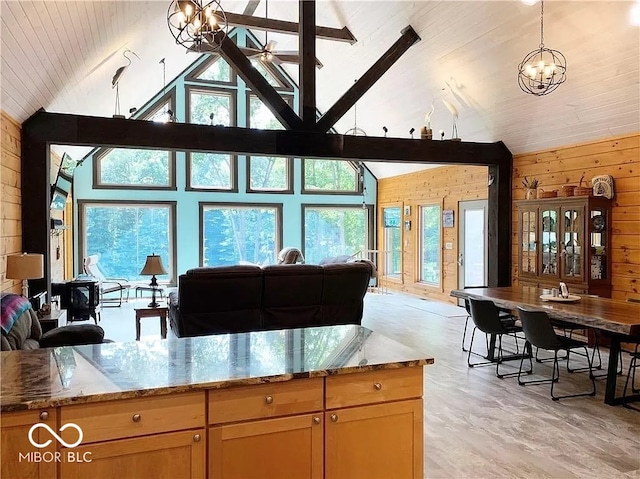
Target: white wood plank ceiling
point(61, 56)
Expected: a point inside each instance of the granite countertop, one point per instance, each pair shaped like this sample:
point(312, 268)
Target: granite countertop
point(79, 374)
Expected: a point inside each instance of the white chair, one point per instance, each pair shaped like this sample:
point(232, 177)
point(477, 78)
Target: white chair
point(107, 285)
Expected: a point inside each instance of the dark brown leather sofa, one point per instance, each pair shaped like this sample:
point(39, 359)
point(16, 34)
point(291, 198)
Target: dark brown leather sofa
point(243, 298)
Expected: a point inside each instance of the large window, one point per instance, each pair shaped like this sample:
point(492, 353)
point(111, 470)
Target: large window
point(334, 230)
point(392, 241)
point(211, 171)
point(430, 240)
point(330, 176)
point(134, 168)
point(234, 233)
point(123, 234)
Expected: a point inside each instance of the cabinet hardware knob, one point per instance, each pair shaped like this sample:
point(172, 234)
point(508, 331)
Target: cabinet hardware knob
point(334, 418)
point(377, 386)
point(316, 420)
point(136, 418)
point(44, 415)
point(196, 438)
point(268, 399)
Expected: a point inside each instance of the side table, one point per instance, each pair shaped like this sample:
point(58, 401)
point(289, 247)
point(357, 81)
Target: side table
point(146, 312)
point(52, 320)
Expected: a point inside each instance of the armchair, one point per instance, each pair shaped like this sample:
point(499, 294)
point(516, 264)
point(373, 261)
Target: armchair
point(21, 328)
point(107, 285)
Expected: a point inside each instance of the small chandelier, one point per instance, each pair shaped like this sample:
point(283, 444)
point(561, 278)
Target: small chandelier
point(543, 69)
point(198, 25)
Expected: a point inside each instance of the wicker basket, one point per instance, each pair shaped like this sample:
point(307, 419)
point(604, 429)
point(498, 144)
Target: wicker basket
point(583, 191)
point(567, 190)
point(547, 194)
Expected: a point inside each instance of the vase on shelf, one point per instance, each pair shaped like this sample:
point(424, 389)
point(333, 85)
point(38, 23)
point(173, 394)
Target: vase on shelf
point(531, 194)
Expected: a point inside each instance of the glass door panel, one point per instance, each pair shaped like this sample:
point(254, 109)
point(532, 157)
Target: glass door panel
point(549, 242)
point(573, 241)
point(599, 246)
point(529, 241)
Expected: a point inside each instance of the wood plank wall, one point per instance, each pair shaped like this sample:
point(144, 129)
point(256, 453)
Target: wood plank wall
point(619, 157)
point(445, 186)
point(11, 198)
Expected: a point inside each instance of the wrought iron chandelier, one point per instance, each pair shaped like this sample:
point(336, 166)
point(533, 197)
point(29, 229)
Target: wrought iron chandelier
point(543, 69)
point(198, 25)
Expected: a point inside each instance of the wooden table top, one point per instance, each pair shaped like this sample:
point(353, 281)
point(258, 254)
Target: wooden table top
point(605, 314)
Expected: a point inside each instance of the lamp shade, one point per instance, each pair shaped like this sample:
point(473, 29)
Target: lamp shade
point(25, 266)
point(153, 266)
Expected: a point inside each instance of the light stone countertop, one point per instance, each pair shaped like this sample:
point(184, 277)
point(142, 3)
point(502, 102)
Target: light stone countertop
point(80, 374)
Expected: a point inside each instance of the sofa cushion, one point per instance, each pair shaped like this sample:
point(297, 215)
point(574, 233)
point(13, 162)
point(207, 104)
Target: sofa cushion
point(72, 335)
point(343, 290)
point(291, 296)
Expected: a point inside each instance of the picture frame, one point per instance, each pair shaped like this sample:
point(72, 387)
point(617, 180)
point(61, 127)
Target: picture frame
point(447, 219)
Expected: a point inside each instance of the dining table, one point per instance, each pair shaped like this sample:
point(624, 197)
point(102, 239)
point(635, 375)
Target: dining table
point(616, 319)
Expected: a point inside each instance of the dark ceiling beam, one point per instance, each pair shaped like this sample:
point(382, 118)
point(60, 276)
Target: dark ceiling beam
point(366, 81)
point(307, 67)
point(62, 128)
point(281, 26)
point(251, 7)
point(259, 85)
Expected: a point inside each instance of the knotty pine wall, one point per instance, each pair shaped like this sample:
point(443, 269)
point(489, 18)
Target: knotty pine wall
point(445, 186)
point(10, 197)
point(619, 157)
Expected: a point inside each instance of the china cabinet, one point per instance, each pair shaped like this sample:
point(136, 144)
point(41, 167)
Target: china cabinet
point(565, 239)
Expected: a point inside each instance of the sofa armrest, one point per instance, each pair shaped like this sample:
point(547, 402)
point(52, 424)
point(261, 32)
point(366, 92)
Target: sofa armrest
point(72, 335)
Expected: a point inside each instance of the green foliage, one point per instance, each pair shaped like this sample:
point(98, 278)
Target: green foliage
point(204, 103)
point(218, 71)
point(330, 175)
point(333, 231)
point(211, 170)
point(430, 239)
point(122, 166)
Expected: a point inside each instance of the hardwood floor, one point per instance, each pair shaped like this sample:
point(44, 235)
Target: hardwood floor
point(477, 425)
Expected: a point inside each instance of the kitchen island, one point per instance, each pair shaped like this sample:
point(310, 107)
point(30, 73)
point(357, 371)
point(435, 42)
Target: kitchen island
point(329, 402)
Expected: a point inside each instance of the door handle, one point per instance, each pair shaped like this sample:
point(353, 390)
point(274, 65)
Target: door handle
point(460, 260)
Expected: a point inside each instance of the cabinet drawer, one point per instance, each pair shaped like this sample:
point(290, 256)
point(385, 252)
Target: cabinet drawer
point(135, 417)
point(372, 387)
point(265, 400)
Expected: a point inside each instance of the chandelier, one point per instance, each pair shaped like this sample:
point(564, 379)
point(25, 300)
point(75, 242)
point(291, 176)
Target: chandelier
point(543, 69)
point(198, 25)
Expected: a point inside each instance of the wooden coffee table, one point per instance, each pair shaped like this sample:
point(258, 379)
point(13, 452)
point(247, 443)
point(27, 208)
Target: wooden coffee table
point(146, 312)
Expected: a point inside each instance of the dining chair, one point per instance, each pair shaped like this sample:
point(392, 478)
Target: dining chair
point(539, 333)
point(486, 318)
point(505, 315)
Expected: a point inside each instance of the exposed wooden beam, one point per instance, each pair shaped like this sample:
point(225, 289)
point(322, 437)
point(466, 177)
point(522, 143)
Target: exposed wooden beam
point(251, 7)
point(281, 26)
point(44, 129)
point(307, 67)
point(366, 81)
point(259, 84)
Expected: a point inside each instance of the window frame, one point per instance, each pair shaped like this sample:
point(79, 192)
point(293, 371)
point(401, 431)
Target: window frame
point(419, 243)
point(221, 204)
point(357, 170)
point(173, 237)
point(193, 76)
point(370, 221)
point(211, 90)
point(234, 175)
point(394, 278)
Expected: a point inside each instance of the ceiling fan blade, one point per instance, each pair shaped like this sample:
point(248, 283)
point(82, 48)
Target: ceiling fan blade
point(284, 52)
point(293, 57)
point(271, 46)
point(249, 51)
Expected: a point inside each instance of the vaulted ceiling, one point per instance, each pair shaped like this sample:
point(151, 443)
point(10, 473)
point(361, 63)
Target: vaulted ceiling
point(61, 56)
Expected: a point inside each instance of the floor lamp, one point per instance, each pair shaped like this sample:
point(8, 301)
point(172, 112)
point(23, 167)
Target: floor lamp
point(153, 266)
point(25, 266)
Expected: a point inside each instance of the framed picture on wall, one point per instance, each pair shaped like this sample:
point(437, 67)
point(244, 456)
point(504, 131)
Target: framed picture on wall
point(447, 218)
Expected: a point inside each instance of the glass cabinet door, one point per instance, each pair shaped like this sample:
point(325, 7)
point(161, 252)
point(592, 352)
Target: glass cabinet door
point(598, 226)
point(549, 242)
point(573, 243)
point(529, 243)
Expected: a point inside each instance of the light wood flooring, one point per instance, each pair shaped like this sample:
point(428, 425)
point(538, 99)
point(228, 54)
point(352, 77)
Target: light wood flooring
point(476, 425)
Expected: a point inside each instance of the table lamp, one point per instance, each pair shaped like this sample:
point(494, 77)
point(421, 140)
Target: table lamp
point(153, 266)
point(25, 266)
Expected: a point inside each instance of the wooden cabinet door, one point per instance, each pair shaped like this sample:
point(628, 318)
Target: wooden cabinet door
point(289, 447)
point(20, 458)
point(375, 442)
point(161, 456)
